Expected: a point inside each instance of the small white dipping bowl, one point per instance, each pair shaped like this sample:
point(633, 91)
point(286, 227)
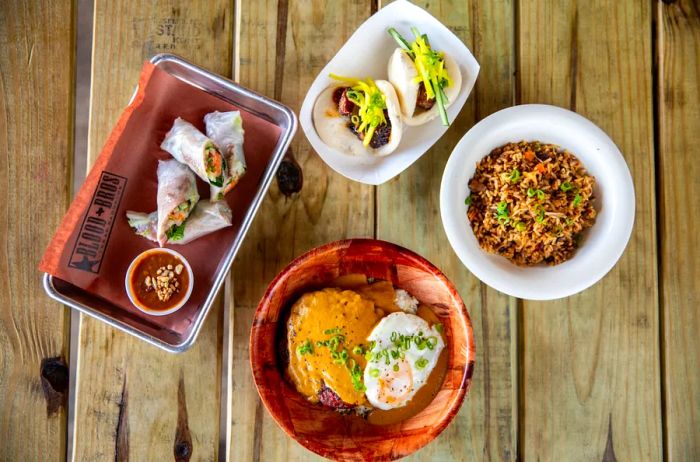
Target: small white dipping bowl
point(131, 295)
point(602, 244)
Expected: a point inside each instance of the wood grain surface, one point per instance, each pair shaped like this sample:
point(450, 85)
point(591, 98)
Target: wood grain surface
point(679, 174)
point(36, 133)
point(135, 401)
point(305, 34)
point(408, 213)
point(610, 374)
point(590, 363)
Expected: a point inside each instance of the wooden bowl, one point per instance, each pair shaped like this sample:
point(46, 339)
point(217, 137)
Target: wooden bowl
point(349, 437)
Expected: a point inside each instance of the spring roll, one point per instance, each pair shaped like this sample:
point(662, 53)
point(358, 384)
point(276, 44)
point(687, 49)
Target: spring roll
point(226, 130)
point(192, 148)
point(206, 218)
point(177, 196)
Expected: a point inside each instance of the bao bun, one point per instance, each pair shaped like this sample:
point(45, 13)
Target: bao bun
point(402, 72)
point(333, 128)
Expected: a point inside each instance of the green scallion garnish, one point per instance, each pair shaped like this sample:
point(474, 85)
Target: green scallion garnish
point(514, 175)
point(421, 363)
point(430, 66)
point(305, 348)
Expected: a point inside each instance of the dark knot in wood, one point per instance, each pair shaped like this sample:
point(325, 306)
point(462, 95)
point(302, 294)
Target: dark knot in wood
point(183, 450)
point(54, 382)
point(183, 439)
point(289, 176)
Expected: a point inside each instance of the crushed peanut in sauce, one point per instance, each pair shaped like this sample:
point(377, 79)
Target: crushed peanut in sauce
point(166, 282)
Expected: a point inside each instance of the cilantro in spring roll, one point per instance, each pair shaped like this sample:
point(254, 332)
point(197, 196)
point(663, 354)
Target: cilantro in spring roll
point(206, 218)
point(226, 130)
point(177, 196)
point(192, 148)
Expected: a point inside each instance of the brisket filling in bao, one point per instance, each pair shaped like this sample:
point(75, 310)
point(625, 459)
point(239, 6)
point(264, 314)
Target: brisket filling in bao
point(359, 117)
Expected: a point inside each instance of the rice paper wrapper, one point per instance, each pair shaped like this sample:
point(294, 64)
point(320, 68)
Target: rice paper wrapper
point(94, 244)
point(176, 185)
point(206, 218)
point(187, 145)
point(226, 130)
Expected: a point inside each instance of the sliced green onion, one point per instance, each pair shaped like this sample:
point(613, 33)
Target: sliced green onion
point(566, 186)
point(374, 372)
point(400, 40)
point(305, 348)
point(421, 363)
point(502, 213)
point(468, 200)
point(577, 200)
point(514, 175)
point(540, 215)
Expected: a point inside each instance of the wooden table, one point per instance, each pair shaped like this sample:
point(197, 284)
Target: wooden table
point(612, 373)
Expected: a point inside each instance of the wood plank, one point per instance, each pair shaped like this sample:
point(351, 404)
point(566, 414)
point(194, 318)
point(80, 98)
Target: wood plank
point(590, 362)
point(136, 401)
point(408, 213)
point(328, 207)
point(36, 144)
point(679, 136)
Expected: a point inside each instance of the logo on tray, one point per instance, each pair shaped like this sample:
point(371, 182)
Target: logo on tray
point(97, 225)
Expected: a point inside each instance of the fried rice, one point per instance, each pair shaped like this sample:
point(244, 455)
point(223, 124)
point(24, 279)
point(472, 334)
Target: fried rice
point(529, 202)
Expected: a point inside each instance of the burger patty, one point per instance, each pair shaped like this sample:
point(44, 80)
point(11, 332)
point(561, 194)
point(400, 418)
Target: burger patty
point(329, 398)
point(423, 101)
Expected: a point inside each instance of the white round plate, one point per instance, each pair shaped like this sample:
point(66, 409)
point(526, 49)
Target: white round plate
point(602, 244)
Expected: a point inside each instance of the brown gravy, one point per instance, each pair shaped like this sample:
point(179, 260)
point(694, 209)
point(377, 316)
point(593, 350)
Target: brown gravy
point(354, 305)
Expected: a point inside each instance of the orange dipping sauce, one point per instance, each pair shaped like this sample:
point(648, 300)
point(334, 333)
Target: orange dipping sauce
point(159, 281)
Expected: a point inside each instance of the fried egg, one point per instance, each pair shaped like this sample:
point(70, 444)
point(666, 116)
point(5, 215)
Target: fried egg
point(404, 351)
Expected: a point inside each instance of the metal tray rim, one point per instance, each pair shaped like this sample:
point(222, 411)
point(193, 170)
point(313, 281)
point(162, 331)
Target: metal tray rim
point(282, 146)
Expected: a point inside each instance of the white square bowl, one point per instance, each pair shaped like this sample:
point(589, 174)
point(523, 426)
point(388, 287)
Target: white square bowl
point(354, 60)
